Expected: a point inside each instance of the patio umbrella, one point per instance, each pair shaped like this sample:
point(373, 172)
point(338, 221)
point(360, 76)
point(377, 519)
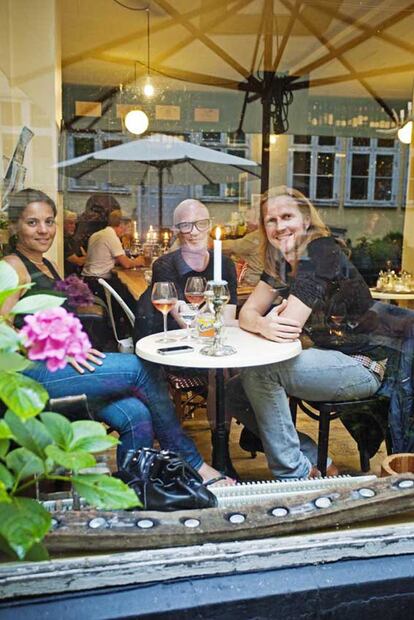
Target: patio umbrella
point(183, 163)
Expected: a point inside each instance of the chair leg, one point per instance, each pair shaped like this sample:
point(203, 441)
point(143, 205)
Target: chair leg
point(363, 458)
point(323, 440)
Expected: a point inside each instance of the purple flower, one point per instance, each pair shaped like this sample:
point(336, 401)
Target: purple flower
point(54, 335)
point(76, 290)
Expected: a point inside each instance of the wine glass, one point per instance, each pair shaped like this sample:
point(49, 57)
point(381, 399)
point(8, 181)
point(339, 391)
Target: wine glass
point(188, 313)
point(336, 321)
point(194, 291)
point(164, 297)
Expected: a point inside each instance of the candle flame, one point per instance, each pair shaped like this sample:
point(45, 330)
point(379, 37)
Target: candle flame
point(218, 233)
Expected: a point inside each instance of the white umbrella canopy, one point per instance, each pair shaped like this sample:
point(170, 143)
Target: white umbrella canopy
point(183, 163)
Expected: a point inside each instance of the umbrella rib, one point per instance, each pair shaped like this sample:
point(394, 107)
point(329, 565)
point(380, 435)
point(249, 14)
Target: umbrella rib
point(333, 79)
point(373, 32)
point(286, 34)
point(203, 38)
point(199, 171)
point(387, 23)
point(338, 55)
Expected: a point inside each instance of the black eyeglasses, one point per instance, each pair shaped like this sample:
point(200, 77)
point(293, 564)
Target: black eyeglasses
point(187, 227)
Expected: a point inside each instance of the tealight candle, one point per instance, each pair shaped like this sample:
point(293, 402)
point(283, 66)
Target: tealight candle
point(217, 256)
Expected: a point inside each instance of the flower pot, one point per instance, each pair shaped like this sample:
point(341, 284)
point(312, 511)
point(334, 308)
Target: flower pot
point(397, 464)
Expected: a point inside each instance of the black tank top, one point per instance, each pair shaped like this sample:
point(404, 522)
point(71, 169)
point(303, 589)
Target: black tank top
point(42, 282)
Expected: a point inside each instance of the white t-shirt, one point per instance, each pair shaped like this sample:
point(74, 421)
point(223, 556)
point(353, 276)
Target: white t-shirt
point(103, 248)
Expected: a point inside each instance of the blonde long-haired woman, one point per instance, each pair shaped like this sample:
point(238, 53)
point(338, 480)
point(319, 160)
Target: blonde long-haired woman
point(330, 300)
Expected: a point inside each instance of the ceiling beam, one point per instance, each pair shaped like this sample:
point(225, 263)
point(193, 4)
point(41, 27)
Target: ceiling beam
point(199, 34)
point(386, 23)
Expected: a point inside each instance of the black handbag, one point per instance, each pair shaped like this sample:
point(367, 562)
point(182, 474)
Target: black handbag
point(163, 481)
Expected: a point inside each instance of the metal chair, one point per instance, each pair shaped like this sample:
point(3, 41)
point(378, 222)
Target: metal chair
point(125, 345)
point(324, 412)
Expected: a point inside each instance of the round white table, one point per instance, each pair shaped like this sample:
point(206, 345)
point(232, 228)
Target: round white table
point(251, 350)
point(391, 295)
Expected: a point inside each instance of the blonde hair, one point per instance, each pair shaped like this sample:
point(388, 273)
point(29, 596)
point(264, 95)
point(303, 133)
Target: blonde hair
point(317, 228)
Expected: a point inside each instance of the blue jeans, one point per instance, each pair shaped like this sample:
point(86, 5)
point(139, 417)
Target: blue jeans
point(129, 395)
point(315, 374)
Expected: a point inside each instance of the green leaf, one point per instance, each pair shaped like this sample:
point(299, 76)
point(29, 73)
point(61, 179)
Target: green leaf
point(37, 553)
point(13, 362)
point(6, 477)
point(90, 436)
point(105, 492)
point(8, 276)
point(22, 394)
point(9, 339)
point(23, 523)
point(4, 496)
point(75, 460)
point(59, 428)
point(4, 447)
point(24, 463)
point(5, 294)
point(36, 303)
point(5, 432)
point(31, 434)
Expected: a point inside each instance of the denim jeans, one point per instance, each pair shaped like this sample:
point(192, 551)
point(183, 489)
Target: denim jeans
point(315, 374)
point(129, 395)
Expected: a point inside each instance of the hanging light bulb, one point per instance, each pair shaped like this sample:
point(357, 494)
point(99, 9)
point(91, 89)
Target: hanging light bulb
point(136, 121)
point(149, 88)
point(405, 133)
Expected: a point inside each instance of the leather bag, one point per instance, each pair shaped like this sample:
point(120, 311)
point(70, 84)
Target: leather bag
point(163, 481)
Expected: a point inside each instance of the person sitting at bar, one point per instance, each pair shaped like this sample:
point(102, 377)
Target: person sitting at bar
point(329, 299)
point(94, 217)
point(104, 252)
point(126, 393)
point(74, 255)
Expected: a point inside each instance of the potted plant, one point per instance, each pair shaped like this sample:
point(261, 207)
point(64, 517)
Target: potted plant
point(36, 444)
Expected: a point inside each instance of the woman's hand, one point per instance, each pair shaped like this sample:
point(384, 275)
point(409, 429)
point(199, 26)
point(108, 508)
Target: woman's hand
point(275, 327)
point(93, 356)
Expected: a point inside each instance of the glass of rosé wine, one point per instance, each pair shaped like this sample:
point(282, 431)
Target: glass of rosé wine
point(164, 297)
point(194, 291)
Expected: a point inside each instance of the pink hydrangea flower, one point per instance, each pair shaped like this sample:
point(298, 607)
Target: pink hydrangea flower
point(54, 336)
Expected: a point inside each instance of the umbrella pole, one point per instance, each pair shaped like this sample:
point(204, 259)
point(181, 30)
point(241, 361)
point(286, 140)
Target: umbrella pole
point(160, 197)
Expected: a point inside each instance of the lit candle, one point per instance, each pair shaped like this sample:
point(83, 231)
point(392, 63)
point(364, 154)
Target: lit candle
point(166, 237)
point(149, 234)
point(217, 256)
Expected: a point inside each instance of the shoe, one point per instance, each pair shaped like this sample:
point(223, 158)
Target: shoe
point(228, 469)
point(331, 471)
point(250, 442)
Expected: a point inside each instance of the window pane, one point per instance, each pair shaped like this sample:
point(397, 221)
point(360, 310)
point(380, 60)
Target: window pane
point(83, 146)
point(232, 190)
point(106, 144)
point(212, 136)
point(301, 183)
point(386, 143)
point(326, 163)
point(236, 137)
point(236, 152)
point(384, 165)
point(360, 165)
point(383, 189)
point(327, 140)
point(301, 162)
point(302, 139)
point(212, 189)
point(324, 187)
point(361, 141)
point(359, 189)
